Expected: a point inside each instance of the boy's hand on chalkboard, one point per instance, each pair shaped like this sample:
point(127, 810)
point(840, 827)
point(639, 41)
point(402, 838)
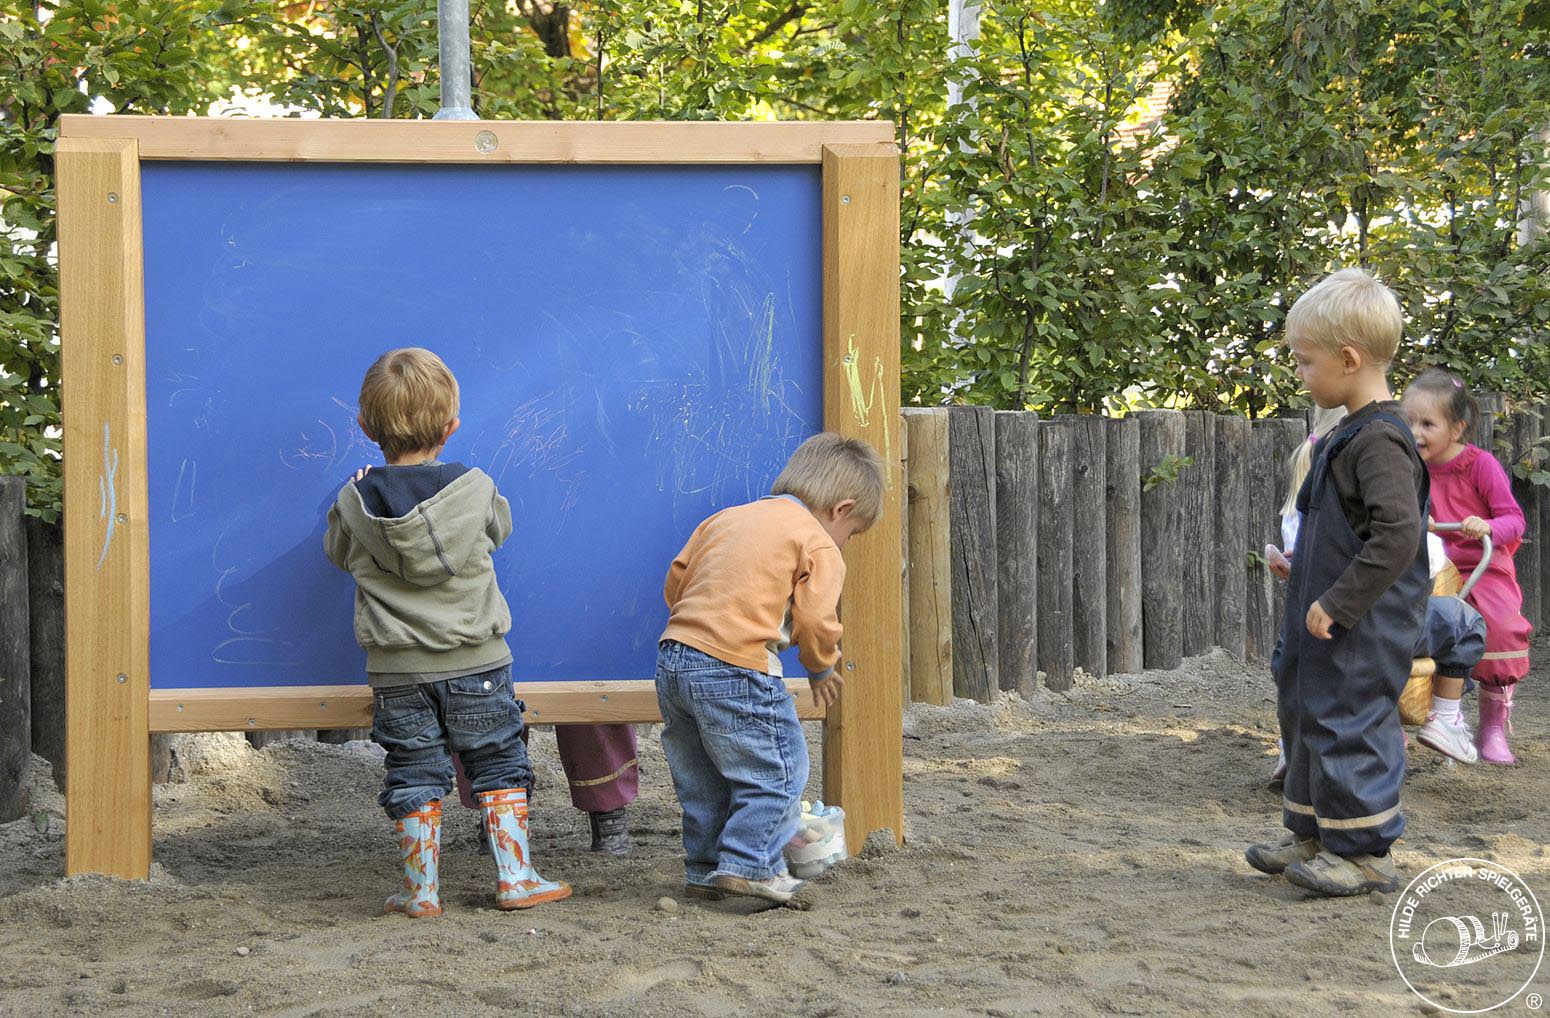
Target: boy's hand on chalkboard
point(362, 472)
point(1319, 621)
point(826, 691)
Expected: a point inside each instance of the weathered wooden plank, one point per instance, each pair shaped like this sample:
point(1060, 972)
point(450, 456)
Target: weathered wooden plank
point(972, 466)
point(1162, 566)
point(1056, 536)
point(15, 653)
point(1525, 430)
point(931, 561)
point(1198, 491)
point(1089, 552)
point(1262, 626)
point(46, 634)
point(1017, 549)
point(1231, 540)
point(1122, 543)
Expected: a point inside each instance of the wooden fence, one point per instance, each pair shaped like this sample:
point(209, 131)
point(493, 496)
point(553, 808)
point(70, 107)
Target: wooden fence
point(1033, 548)
point(1037, 547)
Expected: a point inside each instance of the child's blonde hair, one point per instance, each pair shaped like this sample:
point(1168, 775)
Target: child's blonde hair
point(827, 469)
point(1301, 461)
point(408, 398)
point(1349, 308)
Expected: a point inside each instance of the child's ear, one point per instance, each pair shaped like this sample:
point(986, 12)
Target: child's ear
point(361, 422)
point(452, 427)
point(1352, 359)
point(842, 509)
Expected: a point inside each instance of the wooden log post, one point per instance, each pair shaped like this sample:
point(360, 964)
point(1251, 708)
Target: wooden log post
point(1259, 625)
point(1525, 435)
point(46, 634)
point(1231, 540)
point(1017, 549)
point(1162, 563)
point(1122, 543)
point(1541, 522)
point(1198, 494)
point(971, 433)
point(1287, 436)
point(15, 652)
point(1484, 432)
point(904, 564)
point(1056, 526)
point(1089, 554)
point(930, 555)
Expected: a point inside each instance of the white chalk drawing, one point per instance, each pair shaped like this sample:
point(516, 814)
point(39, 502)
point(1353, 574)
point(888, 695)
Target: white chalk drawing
point(188, 471)
point(107, 490)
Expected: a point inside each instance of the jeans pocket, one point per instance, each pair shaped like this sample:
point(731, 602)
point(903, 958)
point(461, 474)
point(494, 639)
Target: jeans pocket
point(480, 703)
point(723, 702)
point(400, 713)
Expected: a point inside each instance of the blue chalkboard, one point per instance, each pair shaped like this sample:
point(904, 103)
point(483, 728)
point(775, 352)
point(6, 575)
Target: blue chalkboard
point(636, 347)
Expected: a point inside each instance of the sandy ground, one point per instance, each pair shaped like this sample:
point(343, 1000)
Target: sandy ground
point(1075, 854)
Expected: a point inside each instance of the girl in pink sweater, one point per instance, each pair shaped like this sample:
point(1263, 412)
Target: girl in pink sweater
point(1469, 486)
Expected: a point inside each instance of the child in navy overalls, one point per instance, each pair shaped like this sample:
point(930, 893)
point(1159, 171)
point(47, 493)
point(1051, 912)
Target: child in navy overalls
point(1355, 604)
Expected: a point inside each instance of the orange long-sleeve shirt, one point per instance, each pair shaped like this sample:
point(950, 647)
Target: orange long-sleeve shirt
point(752, 581)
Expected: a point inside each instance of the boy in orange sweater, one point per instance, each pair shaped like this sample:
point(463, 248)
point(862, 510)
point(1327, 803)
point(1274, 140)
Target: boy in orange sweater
point(752, 581)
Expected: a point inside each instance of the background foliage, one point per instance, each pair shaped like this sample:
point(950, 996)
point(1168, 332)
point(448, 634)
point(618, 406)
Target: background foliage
point(1117, 213)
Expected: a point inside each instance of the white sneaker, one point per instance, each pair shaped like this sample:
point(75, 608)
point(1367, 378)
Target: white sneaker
point(1454, 741)
point(779, 888)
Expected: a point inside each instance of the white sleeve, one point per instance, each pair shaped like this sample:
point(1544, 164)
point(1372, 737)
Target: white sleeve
point(1291, 523)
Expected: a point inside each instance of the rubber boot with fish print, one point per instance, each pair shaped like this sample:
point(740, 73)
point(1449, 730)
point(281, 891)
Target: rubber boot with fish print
point(419, 842)
point(505, 823)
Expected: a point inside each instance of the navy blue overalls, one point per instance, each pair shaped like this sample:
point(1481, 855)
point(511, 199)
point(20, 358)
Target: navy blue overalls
point(1338, 698)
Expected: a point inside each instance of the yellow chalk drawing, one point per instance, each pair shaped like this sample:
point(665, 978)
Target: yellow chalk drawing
point(863, 400)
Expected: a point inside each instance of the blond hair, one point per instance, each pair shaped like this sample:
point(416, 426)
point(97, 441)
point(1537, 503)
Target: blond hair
point(1301, 461)
point(827, 469)
point(408, 398)
point(1349, 308)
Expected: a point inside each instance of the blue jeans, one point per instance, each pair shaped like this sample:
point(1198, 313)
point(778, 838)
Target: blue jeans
point(421, 725)
point(738, 759)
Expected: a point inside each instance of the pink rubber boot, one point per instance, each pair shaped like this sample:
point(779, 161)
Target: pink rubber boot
point(1495, 724)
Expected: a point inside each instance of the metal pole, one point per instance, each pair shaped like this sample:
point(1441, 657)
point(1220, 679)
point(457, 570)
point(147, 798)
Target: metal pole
point(456, 68)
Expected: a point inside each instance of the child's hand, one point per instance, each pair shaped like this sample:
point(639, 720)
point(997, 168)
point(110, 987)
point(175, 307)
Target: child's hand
point(1475, 527)
point(1319, 621)
point(1280, 564)
point(826, 691)
point(362, 472)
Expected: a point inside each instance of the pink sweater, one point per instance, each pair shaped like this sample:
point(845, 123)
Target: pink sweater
point(1474, 484)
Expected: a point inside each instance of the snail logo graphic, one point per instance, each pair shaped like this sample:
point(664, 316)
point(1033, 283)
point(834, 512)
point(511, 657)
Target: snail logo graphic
point(1447, 955)
point(1465, 935)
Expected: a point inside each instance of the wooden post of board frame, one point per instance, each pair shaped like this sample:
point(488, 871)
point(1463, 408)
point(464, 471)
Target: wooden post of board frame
point(112, 710)
point(107, 557)
point(863, 758)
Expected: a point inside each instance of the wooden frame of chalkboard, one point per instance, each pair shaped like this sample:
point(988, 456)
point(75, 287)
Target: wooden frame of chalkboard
point(111, 709)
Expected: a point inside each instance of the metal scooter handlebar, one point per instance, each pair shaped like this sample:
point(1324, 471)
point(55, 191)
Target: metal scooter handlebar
point(1486, 549)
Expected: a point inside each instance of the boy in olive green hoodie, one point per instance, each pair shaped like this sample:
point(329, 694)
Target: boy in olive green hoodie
point(417, 535)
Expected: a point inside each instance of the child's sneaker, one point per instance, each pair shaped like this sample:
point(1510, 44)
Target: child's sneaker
point(819, 841)
point(1337, 876)
point(703, 892)
point(1276, 856)
point(1454, 741)
point(779, 888)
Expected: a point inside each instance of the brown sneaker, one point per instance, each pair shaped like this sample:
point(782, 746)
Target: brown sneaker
point(1276, 856)
point(703, 892)
point(1337, 876)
